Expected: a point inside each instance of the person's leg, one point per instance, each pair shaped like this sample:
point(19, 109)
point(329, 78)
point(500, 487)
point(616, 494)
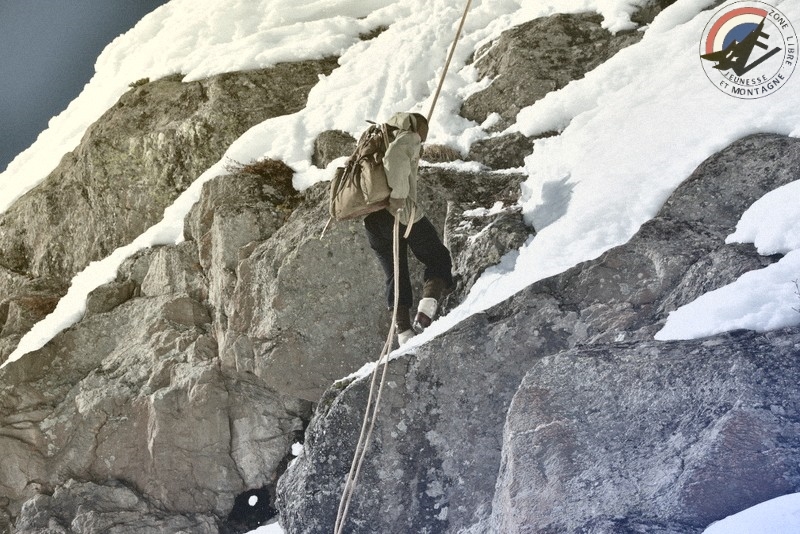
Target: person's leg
point(429, 249)
point(379, 226)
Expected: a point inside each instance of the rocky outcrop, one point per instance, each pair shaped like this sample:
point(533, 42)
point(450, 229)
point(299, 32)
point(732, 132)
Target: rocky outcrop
point(592, 442)
point(131, 164)
point(421, 475)
point(88, 507)
point(502, 152)
point(27, 300)
point(543, 55)
point(331, 145)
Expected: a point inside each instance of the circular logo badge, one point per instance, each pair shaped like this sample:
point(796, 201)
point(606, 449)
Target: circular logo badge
point(748, 49)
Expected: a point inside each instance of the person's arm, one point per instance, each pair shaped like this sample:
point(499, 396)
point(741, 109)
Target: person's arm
point(399, 157)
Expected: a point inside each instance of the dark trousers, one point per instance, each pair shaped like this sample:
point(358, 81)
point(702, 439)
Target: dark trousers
point(424, 243)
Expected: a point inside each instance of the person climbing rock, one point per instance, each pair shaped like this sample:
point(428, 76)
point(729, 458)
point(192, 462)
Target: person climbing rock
point(401, 162)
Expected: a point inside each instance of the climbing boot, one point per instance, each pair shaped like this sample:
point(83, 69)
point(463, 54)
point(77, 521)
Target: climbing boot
point(426, 311)
point(403, 325)
point(432, 293)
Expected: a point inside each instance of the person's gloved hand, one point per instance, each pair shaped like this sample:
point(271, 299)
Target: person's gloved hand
point(396, 204)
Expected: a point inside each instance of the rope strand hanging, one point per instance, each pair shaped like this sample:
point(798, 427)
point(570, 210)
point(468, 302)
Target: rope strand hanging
point(371, 411)
point(447, 62)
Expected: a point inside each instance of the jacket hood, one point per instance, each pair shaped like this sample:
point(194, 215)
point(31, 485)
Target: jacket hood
point(403, 121)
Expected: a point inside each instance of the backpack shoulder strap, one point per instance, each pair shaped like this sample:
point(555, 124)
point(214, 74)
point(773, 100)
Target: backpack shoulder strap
point(385, 132)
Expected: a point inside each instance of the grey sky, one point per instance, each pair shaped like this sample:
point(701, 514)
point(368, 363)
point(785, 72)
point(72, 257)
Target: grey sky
point(48, 50)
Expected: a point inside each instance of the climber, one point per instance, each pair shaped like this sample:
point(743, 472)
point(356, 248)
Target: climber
point(401, 162)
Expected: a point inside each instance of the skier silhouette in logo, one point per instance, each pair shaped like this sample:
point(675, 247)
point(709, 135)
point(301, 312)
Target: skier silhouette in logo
point(736, 55)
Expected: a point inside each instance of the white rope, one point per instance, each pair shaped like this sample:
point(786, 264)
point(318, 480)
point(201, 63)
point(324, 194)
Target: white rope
point(447, 63)
point(371, 412)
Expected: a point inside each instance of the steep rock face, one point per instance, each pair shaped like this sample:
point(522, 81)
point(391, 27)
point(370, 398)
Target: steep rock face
point(233, 215)
point(181, 391)
point(151, 387)
point(307, 310)
point(421, 475)
point(136, 394)
point(136, 383)
point(290, 313)
point(135, 391)
point(131, 164)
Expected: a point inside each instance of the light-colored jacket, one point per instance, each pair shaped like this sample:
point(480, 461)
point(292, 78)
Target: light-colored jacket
point(401, 163)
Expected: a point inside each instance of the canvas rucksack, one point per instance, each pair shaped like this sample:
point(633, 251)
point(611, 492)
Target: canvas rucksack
point(360, 187)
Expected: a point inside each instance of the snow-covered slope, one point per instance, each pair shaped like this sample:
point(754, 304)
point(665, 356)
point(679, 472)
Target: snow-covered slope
point(631, 131)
